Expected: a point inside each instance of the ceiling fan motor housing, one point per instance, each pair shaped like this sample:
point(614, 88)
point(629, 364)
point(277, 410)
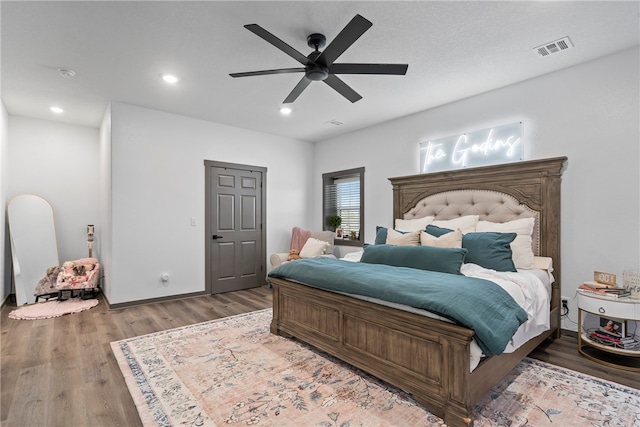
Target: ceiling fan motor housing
point(315, 71)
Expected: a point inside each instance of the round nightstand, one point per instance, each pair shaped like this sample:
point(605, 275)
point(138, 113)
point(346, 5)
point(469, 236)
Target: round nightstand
point(592, 308)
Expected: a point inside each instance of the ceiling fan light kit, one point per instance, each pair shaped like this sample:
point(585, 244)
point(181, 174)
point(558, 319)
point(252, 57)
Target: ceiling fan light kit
point(319, 65)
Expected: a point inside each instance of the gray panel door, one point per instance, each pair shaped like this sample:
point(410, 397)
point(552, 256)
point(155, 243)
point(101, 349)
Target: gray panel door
point(236, 255)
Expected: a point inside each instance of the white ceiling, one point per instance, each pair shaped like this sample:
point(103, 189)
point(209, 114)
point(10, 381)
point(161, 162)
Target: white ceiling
point(454, 50)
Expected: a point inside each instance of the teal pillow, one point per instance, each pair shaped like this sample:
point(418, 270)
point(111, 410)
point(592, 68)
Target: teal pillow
point(436, 231)
point(381, 235)
point(443, 260)
point(490, 250)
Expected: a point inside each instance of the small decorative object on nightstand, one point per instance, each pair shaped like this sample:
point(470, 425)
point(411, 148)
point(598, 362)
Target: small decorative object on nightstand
point(609, 329)
point(631, 282)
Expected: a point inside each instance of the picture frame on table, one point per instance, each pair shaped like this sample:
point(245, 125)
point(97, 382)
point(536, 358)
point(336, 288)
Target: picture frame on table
point(613, 327)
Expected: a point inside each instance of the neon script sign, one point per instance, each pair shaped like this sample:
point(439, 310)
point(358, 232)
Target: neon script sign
point(500, 144)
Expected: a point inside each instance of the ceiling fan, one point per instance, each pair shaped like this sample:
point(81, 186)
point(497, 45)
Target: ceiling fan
point(321, 66)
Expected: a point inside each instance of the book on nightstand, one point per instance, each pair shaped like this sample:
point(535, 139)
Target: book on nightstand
point(608, 291)
point(598, 285)
point(627, 343)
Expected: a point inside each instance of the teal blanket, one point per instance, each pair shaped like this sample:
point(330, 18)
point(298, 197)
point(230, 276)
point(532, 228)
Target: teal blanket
point(477, 304)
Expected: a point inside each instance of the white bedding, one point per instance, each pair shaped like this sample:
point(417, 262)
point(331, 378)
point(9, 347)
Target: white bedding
point(531, 289)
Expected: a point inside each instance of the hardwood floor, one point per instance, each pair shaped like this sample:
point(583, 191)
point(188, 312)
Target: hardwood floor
point(62, 372)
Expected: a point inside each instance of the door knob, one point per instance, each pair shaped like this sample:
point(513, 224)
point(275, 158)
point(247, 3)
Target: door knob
point(215, 236)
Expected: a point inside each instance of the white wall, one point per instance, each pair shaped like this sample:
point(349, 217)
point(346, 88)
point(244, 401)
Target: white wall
point(149, 168)
point(157, 183)
point(589, 113)
point(59, 163)
point(5, 248)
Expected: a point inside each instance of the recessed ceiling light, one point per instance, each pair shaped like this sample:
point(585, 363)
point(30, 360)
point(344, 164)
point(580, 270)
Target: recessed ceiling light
point(169, 78)
point(285, 111)
point(57, 110)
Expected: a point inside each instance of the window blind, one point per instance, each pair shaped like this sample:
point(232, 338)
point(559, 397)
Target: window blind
point(342, 198)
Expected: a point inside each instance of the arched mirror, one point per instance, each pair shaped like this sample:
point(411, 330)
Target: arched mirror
point(33, 243)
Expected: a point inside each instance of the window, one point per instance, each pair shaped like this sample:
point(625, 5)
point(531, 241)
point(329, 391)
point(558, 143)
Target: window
point(344, 196)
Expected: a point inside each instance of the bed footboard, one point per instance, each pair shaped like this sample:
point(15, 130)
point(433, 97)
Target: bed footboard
point(425, 357)
point(422, 356)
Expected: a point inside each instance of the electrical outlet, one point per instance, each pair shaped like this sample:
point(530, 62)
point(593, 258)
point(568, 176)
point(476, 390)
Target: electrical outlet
point(565, 306)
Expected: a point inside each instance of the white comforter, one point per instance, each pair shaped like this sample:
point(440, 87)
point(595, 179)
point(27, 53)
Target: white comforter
point(528, 291)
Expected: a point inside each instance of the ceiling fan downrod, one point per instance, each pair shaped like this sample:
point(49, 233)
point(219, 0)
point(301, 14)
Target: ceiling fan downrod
point(316, 41)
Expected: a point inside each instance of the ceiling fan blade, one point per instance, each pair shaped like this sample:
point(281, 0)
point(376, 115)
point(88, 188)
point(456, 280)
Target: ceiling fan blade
point(265, 72)
point(295, 93)
point(393, 69)
point(270, 38)
point(349, 34)
point(342, 88)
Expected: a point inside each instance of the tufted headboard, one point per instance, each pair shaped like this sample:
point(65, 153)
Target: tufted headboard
point(488, 204)
point(497, 193)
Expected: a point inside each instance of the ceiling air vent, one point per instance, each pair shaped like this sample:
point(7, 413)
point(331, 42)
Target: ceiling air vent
point(553, 47)
point(333, 122)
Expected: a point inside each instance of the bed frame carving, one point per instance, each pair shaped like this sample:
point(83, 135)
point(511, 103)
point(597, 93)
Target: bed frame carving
point(423, 356)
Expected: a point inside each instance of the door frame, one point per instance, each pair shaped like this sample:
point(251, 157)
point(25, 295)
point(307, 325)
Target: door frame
point(208, 241)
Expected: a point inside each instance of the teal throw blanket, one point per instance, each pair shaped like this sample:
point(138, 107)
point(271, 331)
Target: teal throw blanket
point(477, 304)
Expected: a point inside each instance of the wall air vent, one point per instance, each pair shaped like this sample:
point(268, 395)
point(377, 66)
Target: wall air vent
point(553, 47)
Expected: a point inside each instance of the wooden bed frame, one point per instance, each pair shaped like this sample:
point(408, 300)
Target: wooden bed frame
point(423, 356)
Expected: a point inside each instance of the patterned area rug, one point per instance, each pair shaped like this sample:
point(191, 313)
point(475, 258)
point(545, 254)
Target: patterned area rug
point(233, 371)
point(46, 310)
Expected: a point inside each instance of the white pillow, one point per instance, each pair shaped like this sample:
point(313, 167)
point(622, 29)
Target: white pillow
point(403, 239)
point(466, 224)
point(313, 248)
point(413, 224)
point(543, 263)
point(449, 240)
point(521, 247)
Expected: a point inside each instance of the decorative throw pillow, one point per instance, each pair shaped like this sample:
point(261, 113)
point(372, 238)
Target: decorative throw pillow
point(313, 248)
point(522, 245)
point(413, 224)
point(443, 260)
point(447, 240)
point(437, 231)
point(490, 250)
point(398, 238)
point(381, 235)
point(466, 224)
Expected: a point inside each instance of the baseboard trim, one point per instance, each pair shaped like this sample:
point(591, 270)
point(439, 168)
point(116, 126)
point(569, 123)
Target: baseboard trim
point(10, 297)
point(569, 333)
